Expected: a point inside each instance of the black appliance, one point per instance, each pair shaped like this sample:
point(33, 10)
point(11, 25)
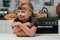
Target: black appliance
point(47, 25)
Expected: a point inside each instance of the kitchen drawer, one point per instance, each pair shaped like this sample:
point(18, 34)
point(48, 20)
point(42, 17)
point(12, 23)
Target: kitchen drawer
point(3, 29)
point(9, 29)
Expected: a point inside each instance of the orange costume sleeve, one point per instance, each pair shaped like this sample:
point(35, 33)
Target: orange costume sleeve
point(21, 33)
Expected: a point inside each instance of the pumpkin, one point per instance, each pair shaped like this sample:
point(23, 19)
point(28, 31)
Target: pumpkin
point(58, 9)
point(10, 16)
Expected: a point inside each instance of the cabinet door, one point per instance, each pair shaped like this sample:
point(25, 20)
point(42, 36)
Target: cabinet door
point(8, 26)
point(2, 26)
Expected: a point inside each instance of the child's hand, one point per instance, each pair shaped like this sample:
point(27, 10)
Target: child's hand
point(16, 29)
point(15, 24)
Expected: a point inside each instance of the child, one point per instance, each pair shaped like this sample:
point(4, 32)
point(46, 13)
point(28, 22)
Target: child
point(25, 24)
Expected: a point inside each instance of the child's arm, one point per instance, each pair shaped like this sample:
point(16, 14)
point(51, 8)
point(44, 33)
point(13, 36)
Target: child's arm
point(29, 31)
point(16, 29)
point(28, 24)
point(15, 26)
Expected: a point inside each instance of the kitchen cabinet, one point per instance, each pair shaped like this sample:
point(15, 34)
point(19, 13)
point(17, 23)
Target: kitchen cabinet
point(2, 26)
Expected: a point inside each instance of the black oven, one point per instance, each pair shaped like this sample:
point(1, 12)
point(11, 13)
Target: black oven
point(47, 25)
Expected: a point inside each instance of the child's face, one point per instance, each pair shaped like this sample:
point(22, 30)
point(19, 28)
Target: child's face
point(24, 14)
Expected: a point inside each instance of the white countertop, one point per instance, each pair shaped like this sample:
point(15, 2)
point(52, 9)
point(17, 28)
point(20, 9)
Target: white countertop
point(5, 36)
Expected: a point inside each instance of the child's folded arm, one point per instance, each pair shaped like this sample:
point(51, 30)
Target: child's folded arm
point(15, 24)
point(16, 29)
point(29, 31)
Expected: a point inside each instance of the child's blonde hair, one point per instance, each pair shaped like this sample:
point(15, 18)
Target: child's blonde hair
point(21, 6)
point(30, 7)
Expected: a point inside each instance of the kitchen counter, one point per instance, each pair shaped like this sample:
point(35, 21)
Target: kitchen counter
point(5, 36)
